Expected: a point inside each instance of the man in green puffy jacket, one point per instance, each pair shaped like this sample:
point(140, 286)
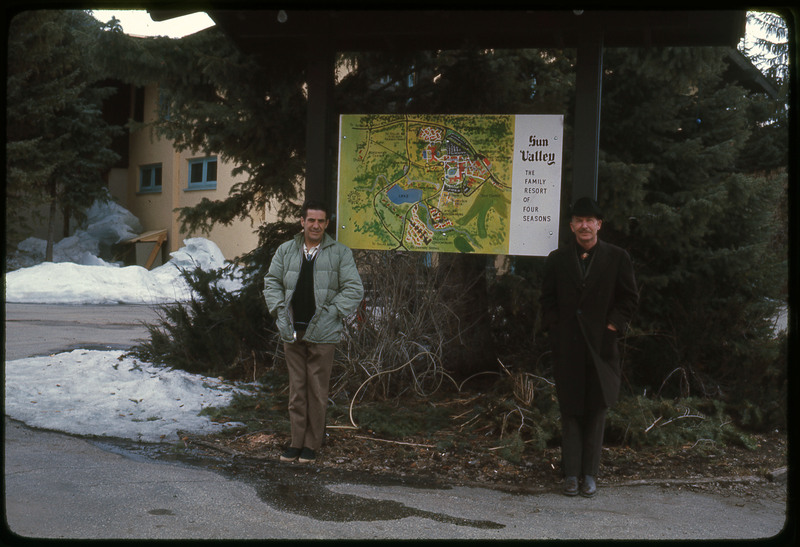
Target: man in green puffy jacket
point(311, 286)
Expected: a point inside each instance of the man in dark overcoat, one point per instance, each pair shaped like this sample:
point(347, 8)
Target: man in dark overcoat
point(589, 296)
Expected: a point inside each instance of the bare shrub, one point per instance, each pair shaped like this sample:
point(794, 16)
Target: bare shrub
point(394, 344)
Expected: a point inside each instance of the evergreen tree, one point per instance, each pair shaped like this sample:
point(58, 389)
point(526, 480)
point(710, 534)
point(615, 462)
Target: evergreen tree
point(57, 144)
point(771, 49)
point(673, 140)
point(767, 146)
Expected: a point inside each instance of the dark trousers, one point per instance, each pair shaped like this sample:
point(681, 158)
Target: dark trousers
point(582, 435)
point(582, 443)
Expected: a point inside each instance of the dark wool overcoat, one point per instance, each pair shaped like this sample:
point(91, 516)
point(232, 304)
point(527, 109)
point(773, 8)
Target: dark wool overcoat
point(576, 310)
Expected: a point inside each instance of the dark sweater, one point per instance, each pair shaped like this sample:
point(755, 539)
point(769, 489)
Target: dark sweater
point(303, 305)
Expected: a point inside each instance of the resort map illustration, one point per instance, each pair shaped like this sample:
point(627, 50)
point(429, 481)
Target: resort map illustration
point(450, 183)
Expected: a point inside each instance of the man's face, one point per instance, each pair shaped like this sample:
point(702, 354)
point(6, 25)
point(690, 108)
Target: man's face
point(314, 226)
point(585, 230)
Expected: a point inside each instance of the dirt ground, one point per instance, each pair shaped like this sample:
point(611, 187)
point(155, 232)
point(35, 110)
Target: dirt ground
point(726, 470)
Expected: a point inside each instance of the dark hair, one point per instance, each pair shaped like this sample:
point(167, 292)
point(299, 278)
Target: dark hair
point(314, 206)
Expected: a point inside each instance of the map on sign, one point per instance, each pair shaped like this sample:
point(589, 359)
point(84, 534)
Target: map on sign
point(450, 183)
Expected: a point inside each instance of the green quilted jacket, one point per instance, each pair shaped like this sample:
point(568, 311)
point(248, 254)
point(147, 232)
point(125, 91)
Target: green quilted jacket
point(337, 288)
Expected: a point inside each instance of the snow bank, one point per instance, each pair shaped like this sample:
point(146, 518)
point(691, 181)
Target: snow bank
point(70, 283)
point(102, 393)
point(106, 223)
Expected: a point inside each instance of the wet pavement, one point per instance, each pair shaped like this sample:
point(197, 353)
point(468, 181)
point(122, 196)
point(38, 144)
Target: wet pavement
point(62, 486)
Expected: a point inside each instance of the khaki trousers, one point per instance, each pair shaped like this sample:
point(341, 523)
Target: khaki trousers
point(309, 375)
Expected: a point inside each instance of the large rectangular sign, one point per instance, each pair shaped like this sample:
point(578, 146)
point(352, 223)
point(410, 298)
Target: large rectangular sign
point(488, 184)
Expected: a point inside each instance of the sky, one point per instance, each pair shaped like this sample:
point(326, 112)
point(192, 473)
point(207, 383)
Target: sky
point(139, 23)
point(88, 392)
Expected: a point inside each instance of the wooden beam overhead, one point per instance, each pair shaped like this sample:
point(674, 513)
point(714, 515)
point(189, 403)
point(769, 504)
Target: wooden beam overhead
point(359, 30)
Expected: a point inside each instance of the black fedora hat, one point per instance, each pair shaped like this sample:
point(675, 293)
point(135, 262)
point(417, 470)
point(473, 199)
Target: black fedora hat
point(586, 207)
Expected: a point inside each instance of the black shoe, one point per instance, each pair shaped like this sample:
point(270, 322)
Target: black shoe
point(570, 486)
point(589, 487)
point(307, 455)
point(290, 455)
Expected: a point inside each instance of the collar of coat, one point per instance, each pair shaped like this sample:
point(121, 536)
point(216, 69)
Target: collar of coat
point(327, 241)
point(599, 261)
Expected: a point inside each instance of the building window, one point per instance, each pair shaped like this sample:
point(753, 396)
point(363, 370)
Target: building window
point(150, 178)
point(164, 106)
point(203, 174)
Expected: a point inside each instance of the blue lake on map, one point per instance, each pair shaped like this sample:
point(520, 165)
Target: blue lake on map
point(400, 195)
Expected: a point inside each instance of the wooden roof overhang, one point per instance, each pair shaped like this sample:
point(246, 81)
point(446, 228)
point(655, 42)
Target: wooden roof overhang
point(363, 30)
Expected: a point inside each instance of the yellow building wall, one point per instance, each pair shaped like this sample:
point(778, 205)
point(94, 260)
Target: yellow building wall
point(156, 210)
point(118, 184)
